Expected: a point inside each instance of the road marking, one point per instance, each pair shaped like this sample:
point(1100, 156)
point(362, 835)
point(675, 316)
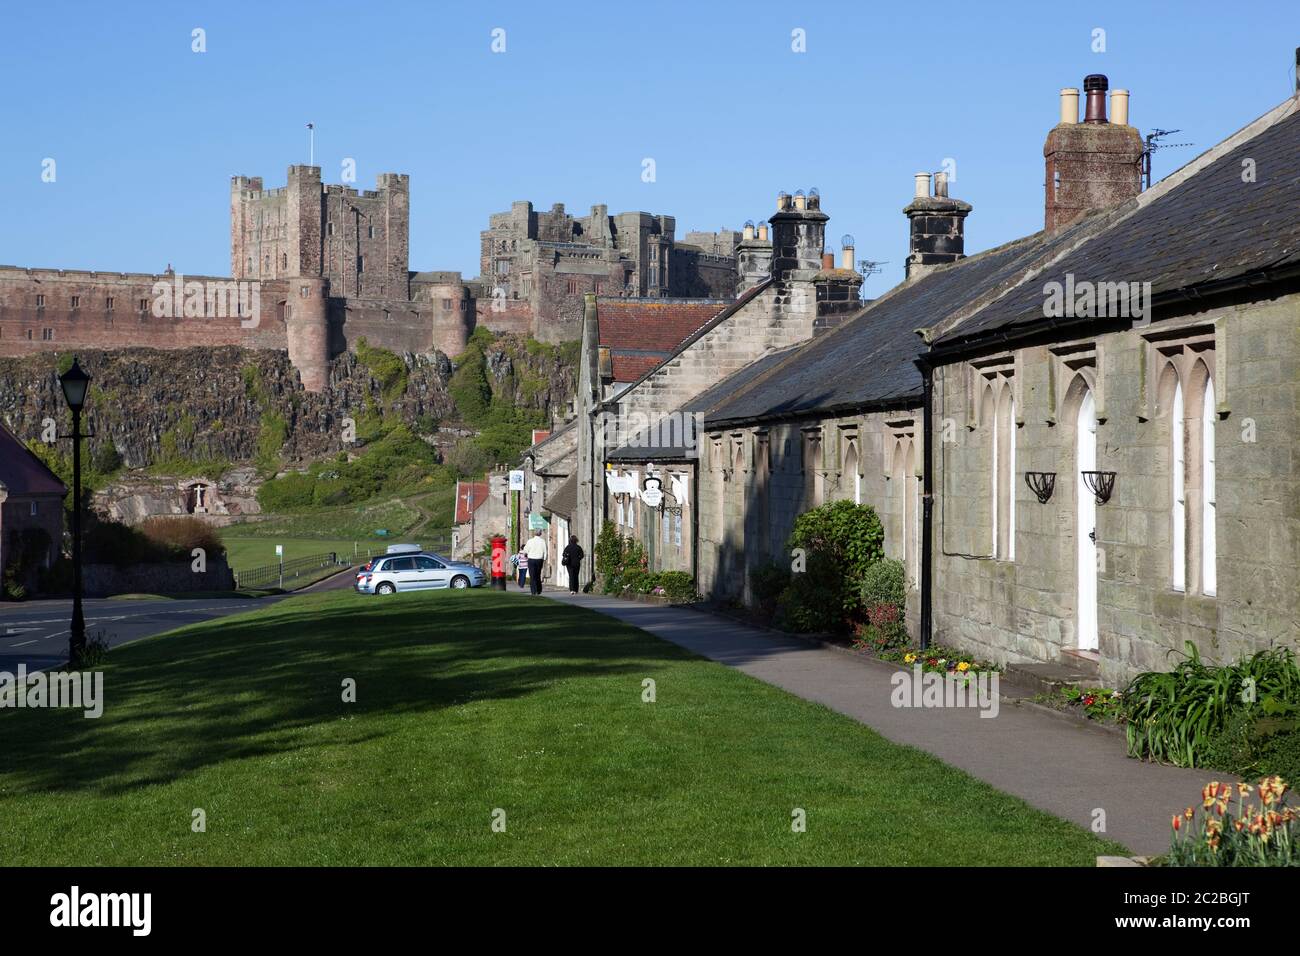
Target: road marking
point(23, 644)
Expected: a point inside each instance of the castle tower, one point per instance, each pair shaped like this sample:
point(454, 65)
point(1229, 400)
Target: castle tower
point(306, 326)
point(302, 202)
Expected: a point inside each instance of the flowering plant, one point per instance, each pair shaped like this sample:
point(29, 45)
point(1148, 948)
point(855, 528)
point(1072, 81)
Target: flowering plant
point(940, 660)
point(1098, 703)
point(1266, 833)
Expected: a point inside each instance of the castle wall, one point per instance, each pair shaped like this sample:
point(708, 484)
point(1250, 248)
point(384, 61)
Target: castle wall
point(53, 309)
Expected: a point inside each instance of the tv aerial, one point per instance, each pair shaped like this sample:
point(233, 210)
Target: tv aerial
point(1152, 143)
point(871, 267)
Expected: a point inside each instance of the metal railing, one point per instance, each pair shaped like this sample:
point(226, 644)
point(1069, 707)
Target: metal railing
point(274, 575)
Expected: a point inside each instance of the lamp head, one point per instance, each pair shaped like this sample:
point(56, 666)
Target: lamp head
point(74, 382)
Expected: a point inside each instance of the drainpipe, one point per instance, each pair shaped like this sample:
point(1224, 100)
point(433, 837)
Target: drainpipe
point(927, 498)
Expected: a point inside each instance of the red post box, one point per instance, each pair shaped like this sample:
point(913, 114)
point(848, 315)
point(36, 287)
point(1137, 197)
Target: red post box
point(499, 562)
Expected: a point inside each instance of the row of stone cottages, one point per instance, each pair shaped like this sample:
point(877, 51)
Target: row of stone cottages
point(1081, 443)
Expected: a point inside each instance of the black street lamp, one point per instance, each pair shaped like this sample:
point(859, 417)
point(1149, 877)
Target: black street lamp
point(74, 382)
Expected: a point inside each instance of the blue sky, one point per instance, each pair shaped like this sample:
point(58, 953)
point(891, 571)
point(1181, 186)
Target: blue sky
point(146, 133)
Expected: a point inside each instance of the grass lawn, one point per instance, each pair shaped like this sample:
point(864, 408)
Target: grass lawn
point(467, 702)
point(247, 553)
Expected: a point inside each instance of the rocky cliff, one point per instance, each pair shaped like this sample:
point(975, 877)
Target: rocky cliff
point(202, 409)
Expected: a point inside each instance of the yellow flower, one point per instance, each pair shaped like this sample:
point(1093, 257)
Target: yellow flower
point(963, 666)
point(1243, 789)
point(909, 658)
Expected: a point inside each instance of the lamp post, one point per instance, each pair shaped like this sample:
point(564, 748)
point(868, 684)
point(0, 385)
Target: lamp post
point(74, 382)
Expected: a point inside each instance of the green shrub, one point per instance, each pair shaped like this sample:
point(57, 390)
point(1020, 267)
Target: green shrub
point(885, 582)
point(884, 629)
point(811, 602)
point(678, 587)
point(1172, 716)
point(609, 550)
point(182, 535)
point(848, 539)
point(1253, 743)
point(469, 386)
point(289, 492)
point(271, 436)
point(766, 582)
point(385, 367)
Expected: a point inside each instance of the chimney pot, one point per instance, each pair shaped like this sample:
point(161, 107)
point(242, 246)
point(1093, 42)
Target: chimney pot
point(828, 261)
point(762, 231)
point(1069, 106)
point(941, 185)
point(1119, 107)
point(922, 185)
point(1095, 86)
point(800, 200)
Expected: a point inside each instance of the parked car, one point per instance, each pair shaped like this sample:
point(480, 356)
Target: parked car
point(421, 571)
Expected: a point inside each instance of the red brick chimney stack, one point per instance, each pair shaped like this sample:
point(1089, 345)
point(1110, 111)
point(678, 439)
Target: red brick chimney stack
point(1091, 165)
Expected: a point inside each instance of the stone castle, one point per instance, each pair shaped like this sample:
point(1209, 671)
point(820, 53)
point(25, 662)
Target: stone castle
point(314, 268)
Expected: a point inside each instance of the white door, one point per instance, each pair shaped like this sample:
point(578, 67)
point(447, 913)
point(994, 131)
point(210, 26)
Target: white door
point(1086, 524)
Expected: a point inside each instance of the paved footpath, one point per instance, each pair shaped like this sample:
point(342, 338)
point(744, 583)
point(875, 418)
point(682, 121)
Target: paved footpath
point(1065, 767)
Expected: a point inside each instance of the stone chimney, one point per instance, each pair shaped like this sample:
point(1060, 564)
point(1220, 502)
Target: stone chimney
point(938, 226)
point(753, 257)
point(1091, 165)
point(798, 236)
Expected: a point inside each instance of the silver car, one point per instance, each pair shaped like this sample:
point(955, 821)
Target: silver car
point(416, 572)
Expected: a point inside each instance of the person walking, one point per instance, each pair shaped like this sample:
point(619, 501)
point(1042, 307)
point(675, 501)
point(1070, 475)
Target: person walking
point(520, 561)
point(536, 552)
point(571, 558)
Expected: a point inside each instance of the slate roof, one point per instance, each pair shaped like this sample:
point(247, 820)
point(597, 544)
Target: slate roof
point(21, 472)
point(637, 450)
point(867, 359)
point(563, 501)
point(1205, 230)
point(1193, 230)
point(641, 333)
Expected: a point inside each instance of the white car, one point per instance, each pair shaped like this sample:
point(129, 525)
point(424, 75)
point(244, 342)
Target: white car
point(416, 572)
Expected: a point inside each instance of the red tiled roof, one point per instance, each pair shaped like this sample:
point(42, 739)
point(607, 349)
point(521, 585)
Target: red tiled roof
point(21, 472)
point(465, 491)
point(628, 368)
point(641, 333)
point(540, 435)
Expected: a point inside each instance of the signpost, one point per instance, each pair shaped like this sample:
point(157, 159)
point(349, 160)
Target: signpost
point(516, 489)
point(279, 553)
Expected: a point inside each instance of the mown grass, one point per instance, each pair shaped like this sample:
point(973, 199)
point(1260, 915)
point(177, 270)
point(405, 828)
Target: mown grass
point(468, 703)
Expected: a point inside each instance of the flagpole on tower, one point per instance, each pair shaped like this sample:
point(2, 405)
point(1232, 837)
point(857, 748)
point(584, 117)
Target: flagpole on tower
point(311, 144)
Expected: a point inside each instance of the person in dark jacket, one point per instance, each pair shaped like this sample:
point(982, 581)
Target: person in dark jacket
point(571, 557)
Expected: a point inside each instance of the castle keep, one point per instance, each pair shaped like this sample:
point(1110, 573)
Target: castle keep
point(316, 267)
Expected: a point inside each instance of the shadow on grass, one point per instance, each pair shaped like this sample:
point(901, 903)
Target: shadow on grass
point(258, 684)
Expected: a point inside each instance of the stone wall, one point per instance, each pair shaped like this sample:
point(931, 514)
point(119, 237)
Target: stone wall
point(1026, 608)
point(756, 480)
point(103, 580)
